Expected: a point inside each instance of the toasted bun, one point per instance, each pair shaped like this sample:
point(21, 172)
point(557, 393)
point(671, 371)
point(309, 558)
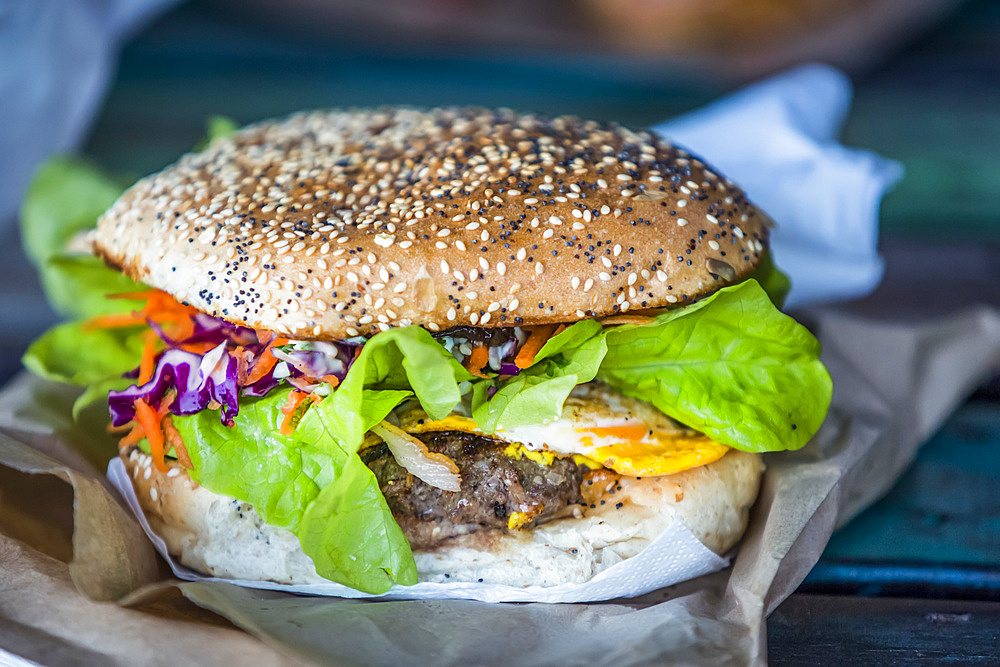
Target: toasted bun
point(224, 537)
point(335, 224)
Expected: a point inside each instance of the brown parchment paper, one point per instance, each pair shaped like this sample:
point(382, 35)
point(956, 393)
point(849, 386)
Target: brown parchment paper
point(62, 553)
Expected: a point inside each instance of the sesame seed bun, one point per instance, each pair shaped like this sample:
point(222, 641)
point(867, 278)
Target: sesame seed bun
point(343, 223)
point(221, 536)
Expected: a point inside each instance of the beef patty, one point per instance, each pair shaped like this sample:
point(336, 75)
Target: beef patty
point(498, 491)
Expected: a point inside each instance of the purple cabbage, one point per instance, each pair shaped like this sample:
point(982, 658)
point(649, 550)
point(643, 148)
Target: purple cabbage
point(199, 381)
point(205, 380)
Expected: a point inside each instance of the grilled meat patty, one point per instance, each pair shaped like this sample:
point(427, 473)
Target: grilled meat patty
point(499, 491)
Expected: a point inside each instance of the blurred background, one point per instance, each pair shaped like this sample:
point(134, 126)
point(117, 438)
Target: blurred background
point(130, 84)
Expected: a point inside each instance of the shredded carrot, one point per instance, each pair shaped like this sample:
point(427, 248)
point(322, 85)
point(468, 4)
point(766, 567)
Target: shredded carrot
point(295, 399)
point(174, 440)
point(160, 307)
point(150, 422)
point(133, 436)
point(477, 360)
point(148, 363)
point(165, 402)
point(526, 355)
point(115, 320)
point(266, 361)
point(198, 348)
point(332, 380)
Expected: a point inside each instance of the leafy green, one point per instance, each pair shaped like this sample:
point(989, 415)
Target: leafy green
point(66, 196)
point(731, 366)
point(79, 285)
point(406, 358)
point(537, 394)
point(350, 523)
point(95, 358)
point(772, 279)
point(215, 128)
point(76, 354)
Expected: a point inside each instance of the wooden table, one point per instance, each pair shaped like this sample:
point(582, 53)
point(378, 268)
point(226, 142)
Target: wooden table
point(916, 579)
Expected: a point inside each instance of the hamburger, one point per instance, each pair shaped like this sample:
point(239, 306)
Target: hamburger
point(449, 345)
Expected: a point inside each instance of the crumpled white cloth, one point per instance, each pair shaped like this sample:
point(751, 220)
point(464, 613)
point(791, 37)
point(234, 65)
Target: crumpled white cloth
point(778, 141)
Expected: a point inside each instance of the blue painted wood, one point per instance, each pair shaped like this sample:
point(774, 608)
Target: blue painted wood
point(945, 508)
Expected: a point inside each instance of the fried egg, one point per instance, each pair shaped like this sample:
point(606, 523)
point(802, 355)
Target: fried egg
point(624, 434)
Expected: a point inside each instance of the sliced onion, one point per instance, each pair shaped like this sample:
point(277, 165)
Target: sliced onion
point(433, 468)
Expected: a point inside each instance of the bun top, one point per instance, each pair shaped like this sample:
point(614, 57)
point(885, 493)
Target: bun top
point(344, 223)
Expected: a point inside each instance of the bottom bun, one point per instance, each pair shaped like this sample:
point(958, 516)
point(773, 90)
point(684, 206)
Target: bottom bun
point(225, 537)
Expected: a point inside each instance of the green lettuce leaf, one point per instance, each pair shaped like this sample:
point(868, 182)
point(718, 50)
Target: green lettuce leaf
point(215, 128)
point(731, 366)
point(76, 354)
point(772, 279)
point(66, 196)
point(79, 285)
point(537, 394)
point(94, 358)
point(406, 358)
